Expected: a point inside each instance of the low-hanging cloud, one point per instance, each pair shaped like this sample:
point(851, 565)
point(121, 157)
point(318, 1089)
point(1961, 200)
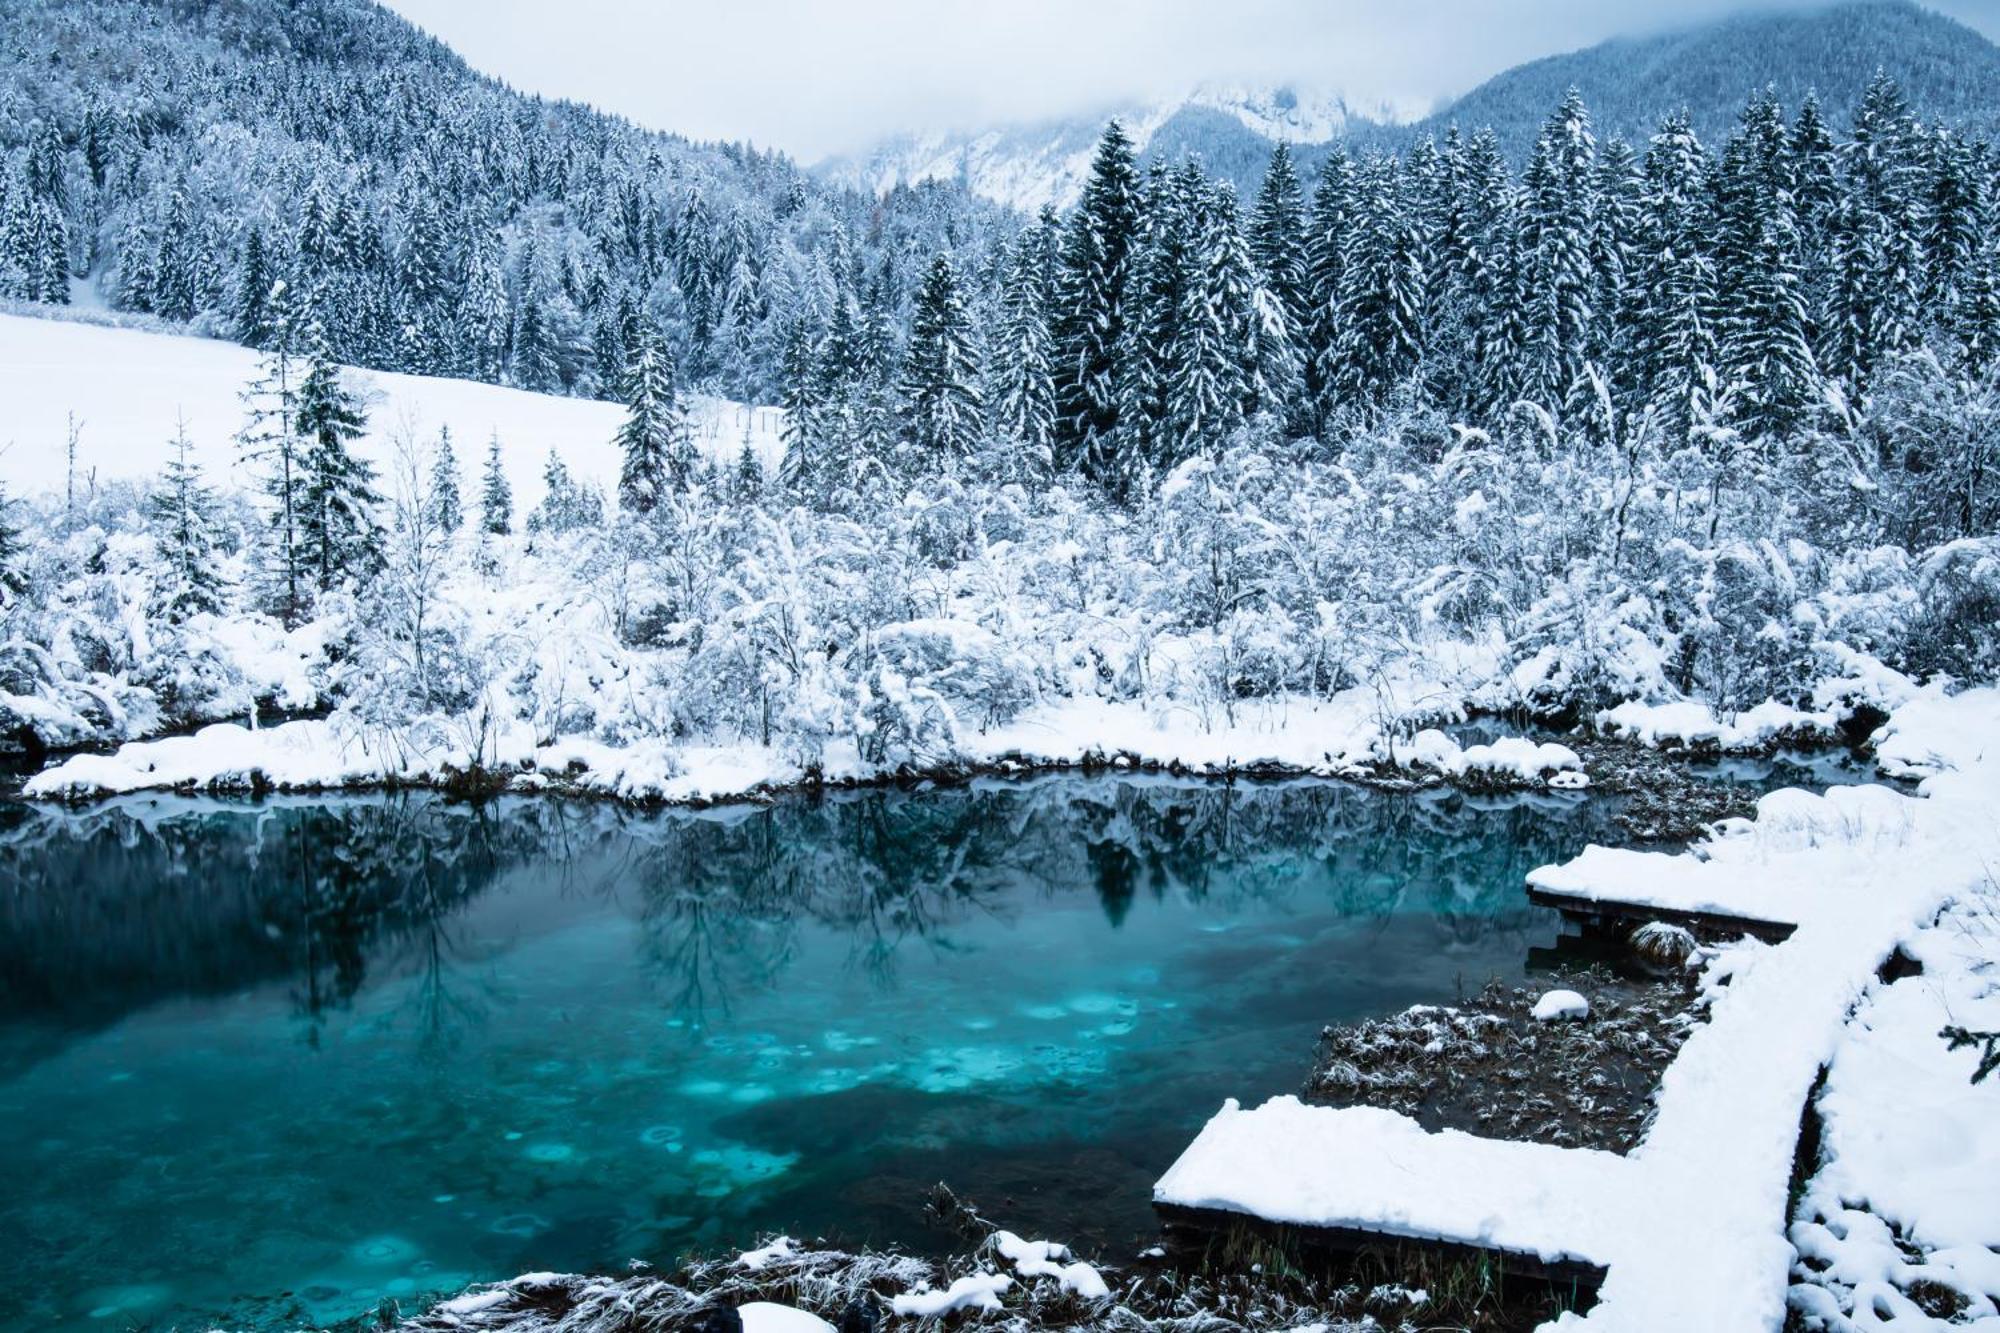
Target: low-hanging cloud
point(820, 78)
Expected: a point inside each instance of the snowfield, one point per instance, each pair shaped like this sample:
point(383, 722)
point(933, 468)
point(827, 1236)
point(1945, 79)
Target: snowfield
point(127, 389)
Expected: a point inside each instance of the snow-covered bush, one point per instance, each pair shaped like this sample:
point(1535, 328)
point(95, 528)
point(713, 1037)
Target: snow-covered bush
point(899, 724)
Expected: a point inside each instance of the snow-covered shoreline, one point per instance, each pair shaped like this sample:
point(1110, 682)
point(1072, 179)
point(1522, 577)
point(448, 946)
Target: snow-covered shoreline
point(1341, 738)
point(1862, 871)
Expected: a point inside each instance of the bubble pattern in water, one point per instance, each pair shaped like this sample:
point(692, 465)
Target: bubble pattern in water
point(383, 1047)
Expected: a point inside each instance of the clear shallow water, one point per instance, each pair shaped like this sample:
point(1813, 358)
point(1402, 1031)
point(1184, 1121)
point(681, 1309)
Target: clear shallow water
point(262, 1064)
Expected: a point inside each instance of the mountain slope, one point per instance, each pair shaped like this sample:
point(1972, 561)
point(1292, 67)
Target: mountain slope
point(1947, 70)
point(1028, 166)
point(428, 218)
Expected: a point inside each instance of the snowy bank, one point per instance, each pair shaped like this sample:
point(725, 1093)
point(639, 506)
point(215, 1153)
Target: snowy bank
point(1691, 1222)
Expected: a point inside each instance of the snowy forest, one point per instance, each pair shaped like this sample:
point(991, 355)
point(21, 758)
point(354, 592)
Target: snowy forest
point(1622, 420)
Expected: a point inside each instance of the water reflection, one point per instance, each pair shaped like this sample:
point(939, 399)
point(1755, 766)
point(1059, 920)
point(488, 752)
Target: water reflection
point(443, 1042)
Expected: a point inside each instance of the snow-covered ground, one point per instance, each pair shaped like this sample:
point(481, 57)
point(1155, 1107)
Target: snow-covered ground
point(127, 388)
point(1691, 1225)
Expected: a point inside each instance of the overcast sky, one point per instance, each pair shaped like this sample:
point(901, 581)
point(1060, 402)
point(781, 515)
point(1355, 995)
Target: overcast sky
point(833, 76)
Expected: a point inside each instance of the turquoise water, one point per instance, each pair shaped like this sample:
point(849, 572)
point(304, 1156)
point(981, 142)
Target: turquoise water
point(264, 1064)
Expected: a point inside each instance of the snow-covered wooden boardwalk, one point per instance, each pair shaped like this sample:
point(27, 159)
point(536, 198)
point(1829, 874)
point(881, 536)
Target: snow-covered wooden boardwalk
point(1690, 1226)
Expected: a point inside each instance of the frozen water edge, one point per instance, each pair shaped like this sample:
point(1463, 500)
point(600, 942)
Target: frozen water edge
point(1691, 1225)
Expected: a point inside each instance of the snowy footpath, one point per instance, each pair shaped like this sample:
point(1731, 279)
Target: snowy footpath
point(1901, 1223)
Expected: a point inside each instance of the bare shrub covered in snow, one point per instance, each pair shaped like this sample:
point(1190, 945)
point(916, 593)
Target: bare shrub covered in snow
point(1518, 568)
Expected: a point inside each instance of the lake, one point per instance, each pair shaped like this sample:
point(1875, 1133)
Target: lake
point(263, 1063)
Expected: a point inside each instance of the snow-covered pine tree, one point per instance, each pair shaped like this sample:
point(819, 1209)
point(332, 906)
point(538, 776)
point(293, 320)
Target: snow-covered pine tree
point(1815, 173)
point(445, 495)
point(249, 308)
point(1614, 248)
point(1210, 384)
point(337, 522)
point(1956, 226)
point(942, 408)
point(270, 443)
point(1875, 298)
point(1327, 224)
point(1277, 236)
point(747, 482)
point(174, 293)
point(803, 466)
point(1089, 331)
point(1162, 263)
point(658, 454)
point(483, 313)
point(875, 394)
point(1477, 256)
point(1761, 324)
point(187, 579)
point(1673, 338)
point(496, 498)
point(13, 579)
point(1380, 309)
point(1021, 365)
point(566, 505)
point(534, 363)
point(1557, 289)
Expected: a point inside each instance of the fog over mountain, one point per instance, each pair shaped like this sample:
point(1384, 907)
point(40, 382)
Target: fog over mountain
point(1949, 70)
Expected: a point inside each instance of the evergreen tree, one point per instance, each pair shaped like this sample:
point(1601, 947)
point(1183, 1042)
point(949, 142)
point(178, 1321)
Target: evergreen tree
point(1761, 323)
point(270, 442)
point(447, 505)
point(1212, 384)
point(566, 506)
point(804, 461)
point(940, 385)
point(1815, 173)
point(250, 310)
point(1277, 235)
point(1326, 250)
point(1090, 327)
point(1476, 317)
point(1023, 391)
point(1875, 297)
point(1380, 312)
point(1557, 283)
point(1955, 222)
point(187, 579)
point(483, 315)
point(13, 579)
point(749, 478)
point(337, 525)
point(659, 456)
point(1620, 218)
point(174, 291)
point(1674, 349)
point(1163, 262)
point(496, 499)
point(535, 364)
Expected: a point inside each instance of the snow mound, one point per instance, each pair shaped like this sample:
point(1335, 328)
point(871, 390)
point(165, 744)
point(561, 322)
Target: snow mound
point(1044, 1258)
point(754, 1260)
point(975, 1291)
point(1687, 724)
point(1558, 1005)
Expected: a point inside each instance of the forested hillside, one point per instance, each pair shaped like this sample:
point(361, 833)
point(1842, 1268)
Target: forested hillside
point(179, 158)
point(1634, 419)
point(1948, 72)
